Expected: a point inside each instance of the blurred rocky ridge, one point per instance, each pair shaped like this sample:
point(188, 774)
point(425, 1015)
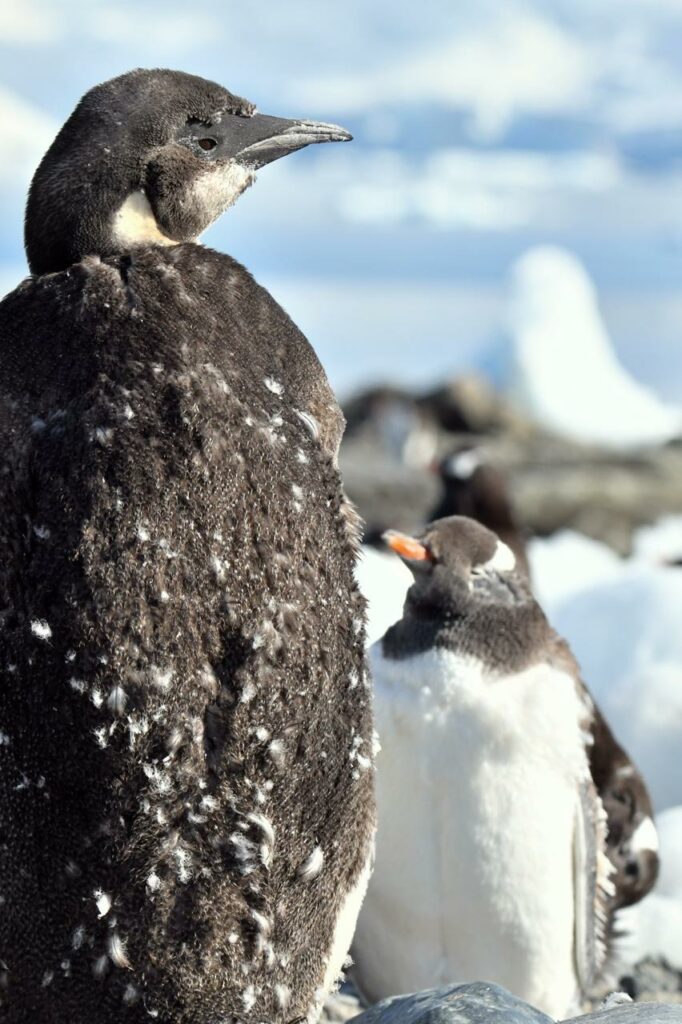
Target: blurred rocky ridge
point(486, 1003)
point(393, 437)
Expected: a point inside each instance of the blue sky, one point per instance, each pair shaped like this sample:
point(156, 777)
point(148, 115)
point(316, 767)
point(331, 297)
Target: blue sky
point(480, 129)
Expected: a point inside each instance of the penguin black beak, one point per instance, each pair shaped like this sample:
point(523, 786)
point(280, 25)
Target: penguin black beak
point(413, 553)
point(265, 138)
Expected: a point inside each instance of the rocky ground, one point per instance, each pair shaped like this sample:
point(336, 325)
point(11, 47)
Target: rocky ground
point(392, 437)
point(653, 981)
point(483, 1003)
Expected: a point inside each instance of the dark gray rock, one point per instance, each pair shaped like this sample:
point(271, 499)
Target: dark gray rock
point(652, 980)
point(633, 1013)
point(476, 1003)
point(554, 483)
point(485, 1003)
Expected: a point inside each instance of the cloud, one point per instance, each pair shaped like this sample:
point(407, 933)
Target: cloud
point(173, 31)
point(462, 188)
point(616, 67)
point(519, 61)
point(26, 132)
point(27, 22)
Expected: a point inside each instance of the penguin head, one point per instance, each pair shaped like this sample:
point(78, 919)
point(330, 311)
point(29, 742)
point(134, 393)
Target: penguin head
point(473, 487)
point(455, 561)
point(151, 158)
point(461, 464)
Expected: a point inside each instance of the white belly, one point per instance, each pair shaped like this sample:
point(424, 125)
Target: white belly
point(477, 787)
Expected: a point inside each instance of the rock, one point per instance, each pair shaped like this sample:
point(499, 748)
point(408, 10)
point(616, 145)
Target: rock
point(633, 1013)
point(653, 979)
point(555, 484)
point(394, 424)
point(342, 1006)
point(484, 1003)
point(476, 1003)
point(469, 404)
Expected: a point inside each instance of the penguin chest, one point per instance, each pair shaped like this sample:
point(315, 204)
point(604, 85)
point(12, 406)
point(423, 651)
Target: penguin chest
point(477, 790)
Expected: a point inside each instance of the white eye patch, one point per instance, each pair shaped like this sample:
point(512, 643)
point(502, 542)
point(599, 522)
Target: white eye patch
point(463, 464)
point(645, 837)
point(502, 561)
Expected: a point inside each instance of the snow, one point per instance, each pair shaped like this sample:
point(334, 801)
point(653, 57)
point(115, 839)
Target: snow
point(655, 924)
point(661, 542)
point(625, 632)
point(622, 621)
point(384, 581)
point(28, 22)
point(566, 375)
point(568, 562)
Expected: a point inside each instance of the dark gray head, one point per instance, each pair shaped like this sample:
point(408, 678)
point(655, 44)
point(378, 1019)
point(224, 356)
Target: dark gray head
point(472, 487)
point(456, 561)
point(467, 595)
point(151, 157)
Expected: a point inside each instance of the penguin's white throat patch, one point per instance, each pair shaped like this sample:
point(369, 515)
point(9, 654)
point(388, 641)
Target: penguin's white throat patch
point(210, 194)
point(219, 187)
point(135, 224)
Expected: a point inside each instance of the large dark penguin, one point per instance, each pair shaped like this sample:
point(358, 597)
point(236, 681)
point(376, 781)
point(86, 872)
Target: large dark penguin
point(186, 763)
point(512, 825)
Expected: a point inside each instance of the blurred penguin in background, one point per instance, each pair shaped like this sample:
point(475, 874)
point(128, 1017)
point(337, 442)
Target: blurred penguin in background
point(473, 487)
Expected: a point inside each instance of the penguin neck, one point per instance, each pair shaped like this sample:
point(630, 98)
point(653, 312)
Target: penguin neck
point(87, 199)
point(506, 636)
point(69, 217)
point(83, 218)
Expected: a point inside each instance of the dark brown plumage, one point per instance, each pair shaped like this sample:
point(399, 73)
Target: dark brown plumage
point(182, 691)
point(628, 805)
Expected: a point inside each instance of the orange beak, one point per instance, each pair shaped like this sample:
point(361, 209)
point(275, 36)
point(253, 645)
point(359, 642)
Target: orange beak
point(406, 547)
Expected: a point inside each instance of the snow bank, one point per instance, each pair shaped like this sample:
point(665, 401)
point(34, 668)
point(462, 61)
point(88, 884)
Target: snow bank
point(625, 632)
point(566, 375)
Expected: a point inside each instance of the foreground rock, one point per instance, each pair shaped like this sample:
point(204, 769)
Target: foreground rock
point(653, 980)
point(484, 1003)
point(476, 1003)
point(633, 1013)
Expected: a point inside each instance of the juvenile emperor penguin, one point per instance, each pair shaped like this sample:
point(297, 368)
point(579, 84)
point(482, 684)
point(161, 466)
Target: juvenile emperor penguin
point(185, 756)
point(473, 487)
point(511, 825)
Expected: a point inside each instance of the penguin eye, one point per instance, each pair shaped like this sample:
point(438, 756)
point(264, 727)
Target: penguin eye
point(207, 144)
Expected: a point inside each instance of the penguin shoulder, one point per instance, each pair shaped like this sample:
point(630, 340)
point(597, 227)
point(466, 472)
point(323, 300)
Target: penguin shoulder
point(165, 305)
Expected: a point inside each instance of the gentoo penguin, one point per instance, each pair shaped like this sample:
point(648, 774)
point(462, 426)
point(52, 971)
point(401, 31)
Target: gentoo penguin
point(473, 487)
point(186, 764)
point(502, 853)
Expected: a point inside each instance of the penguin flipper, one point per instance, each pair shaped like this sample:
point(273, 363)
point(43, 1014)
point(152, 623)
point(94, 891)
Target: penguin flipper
point(593, 889)
point(632, 840)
